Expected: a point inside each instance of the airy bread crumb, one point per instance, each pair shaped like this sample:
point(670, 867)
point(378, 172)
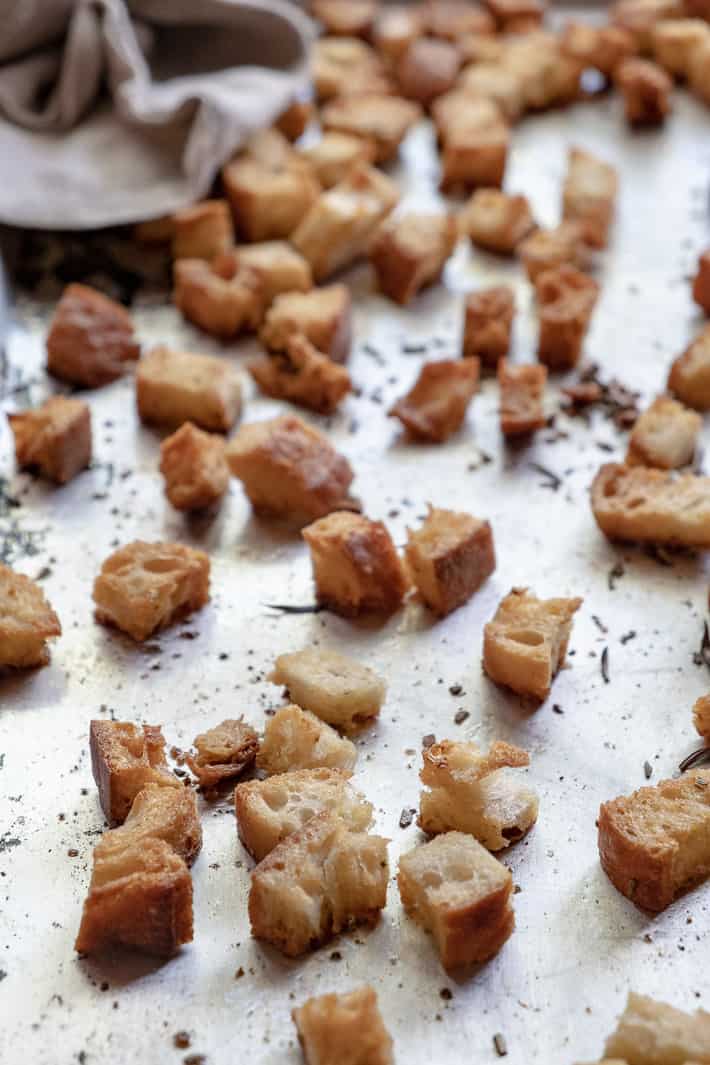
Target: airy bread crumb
point(665, 436)
point(157, 812)
point(194, 466)
point(522, 391)
point(202, 231)
point(223, 752)
point(323, 316)
point(297, 739)
point(54, 438)
point(173, 387)
point(449, 558)
point(90, 338)
point(410, 251)
point(335, 688)
point(436, 405)
point(27, 621)
point(652, 506)
point(651, 1033)
point(689, 378)
point(488, 323)
point(344, 1029)
point(124, 759)
point(302, 374)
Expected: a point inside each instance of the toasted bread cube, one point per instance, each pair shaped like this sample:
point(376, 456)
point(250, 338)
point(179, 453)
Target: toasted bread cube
point(509, 14)
point(460, 893)
point(155, 231)
point(651, 1032)
point(409, 252)
point(701, 716)
point(345, 18)
point(701, 282)
point(589, 196)
point(522, 392)
point(297, 739)
point(396, 27)
point(319, 881)
point(303, 375)
point(699, 70)
point(435, 406)
point(525, 643)
point(173, 387)
point(336, 232)
point(289, 469)
point(449, 558)
point(427, 69)
point(194, 466)
point(665, 436)
point(451, 19)
point(157, 812)
point(203, 231)
point(294, 121)
point(488, 323)
point(343, 66)
point(463, 110)
point(647, 91)
point(675, 40)
point(547, 249)
point(356, 567)
point(496, 221)
point(143, 587)
point(225, 304)
point(323, 316)
point(223, 752)
point(547, 76)
point(378, 117)
point(90, 338)
point(278, 265)
point(27, 621)
point(474, 158)
point(270, 810)
point(567, 298)
point(655, 843)
point(343, 1030)
point(640, 17)
point(124, 759)
point(601, 47)
point(652, 506)
point(335, 154)
point(333, 687)
point(54, 438)
point(499, 83)
point(689, 377)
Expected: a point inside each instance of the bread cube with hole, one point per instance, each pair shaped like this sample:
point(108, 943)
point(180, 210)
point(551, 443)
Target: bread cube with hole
point(665, 436)
point(223, 752)
point(202, 231)
point(435, 407)
point(334, 687)
point(701, 716)
point(194, 466)
point(636, 503)
point(126, 758)
point(335, 154)
point(302, 374)
point(522, 394)
point(381, 118)
point(343, 1029)
point(496, 221)
point(689, 377)
point(409, 252)
point(224, 303)
point(589, 195)
point(650, 1032)
point(278, 266)
point(548, 249)
point(54, 439)
point(173, 387)
point(488, 323)
point(27, 621)
point(90, 339)
point(647, 92)
point(449, 558)
point(323, 316)
point(566, 299)
point(297, 739)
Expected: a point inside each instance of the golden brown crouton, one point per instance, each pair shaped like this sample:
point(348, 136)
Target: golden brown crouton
point(289, 469)
point(409, 252)
point(303, 375)
point(652, 506)
point(701, 716)
point(345, 65)
point(655, 843)
point(396, 27)
point(547, 249)
point(335, 154)
point(698, 76)
point(464, 110)
point(435, 406)
point(495, 81)
point(316, 883)
point(223, 752)
point(525, 643)
point(157, 812)
point(675, 40)
point(496, 221)
point(547, 76)
point(334, 688)
point(460, 893)
point(143, 587)
point(194, 466)
point(124, 759)
point(601, 47)
point(343, 1030)
point(427, 69)
point(356, 567)
point(566, 299)
point(270, 810)
point(378, 117)
point(294, 121)
point(323, 316)
point(202, 231)
point(54, 438)
point(689, 377)
point(345, 18)
point(223, 303)
point(665, 436)
point(297, 739)
point(27, 621)
point(646, 89)
point(701, 282)
point(451, 19)
point(278, 265)
point(487, 324)
point(90, 338)
point(651, 1033)
point(474, 157)
point(173, 387)
point(589, 196)
point(509, 14)
point(640, 17)
point(449, 558)
point(522, 391)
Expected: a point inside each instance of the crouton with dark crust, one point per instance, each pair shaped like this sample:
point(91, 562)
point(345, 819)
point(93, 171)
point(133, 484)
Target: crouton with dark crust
point(54, 438)
point(449, 558)
point(436, 405)
point(90, 339)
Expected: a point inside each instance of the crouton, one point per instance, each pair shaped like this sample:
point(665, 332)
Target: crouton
point(342, 66)
point(488, 323)
point(427, 69)
point(297, 739)
point(323, 316)
point(345, 18)
point(647, 91)
point(472, 793)
point(124, 759)
point(356, 567)
point(27, 621)
point(155, 231)
point(640, 17)
point(698, 70)
point(396, 27)
point(655, 843)
point(449, 558)
point(173, 387)
point(435, 406)
point(157, 812)
point(303, 375)
point(600, 47)
point(460, 893)
point(546, 249)
point(496, 81)
point(665, 436)
point(194, 466)
point(90, 338)
point(525, 643)
point(589, 196)
point(378, 117)
point(279, 267)
point(270, 810)
point(202, 231)
point(675, 40)
point(477, 49)
point(522, 392)
point(333, 687)
point(294, 121)
point(463, 111)
point(409, 252)
point(474, 158)
point(496, 221)
point(689, 377)
point(336, 232)
point(566, 299)
point(317, 882)
point(224, 304)
point(452, 19)
point(143, 587)
point(223, 752)
point(701, 716)
point(335, 154)
point(651, 1032)
point(652, 506)
point(701, 282)
point(510, 14)
point(289, 469)
point(54, 438)
point(547, 76)
point(343, 1030)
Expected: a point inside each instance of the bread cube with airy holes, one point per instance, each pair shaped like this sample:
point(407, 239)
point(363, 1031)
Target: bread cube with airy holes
point(675, 40)
point(699, 70)
point(345, 18)
point(378, 117)
point(323, 316)
point(202, 231)
point(449, 558)
point(566, 299)
point(665, 436)
point(303, 375)
point(356, 567)
point(297, 739)
point(333, 687)
point(169, 814)
point(54, 438)
point(345, 65)
point(647, 92)
point(525, 643)
point(341, 1029)
point(522, 394)
point(173, 387)
point(436, 405)
point(143, 587)
point(496, 221)
point(427, 69)
point(701, 282)
point(194, 466)
point(589, 195)
point(474, 158)
point(652, 506)
point(546, 249)
point(396, 27)
point(90, 338)
point(124, 760)
point(701, 716)
point(455, 889)
point(651, 1032)
point(488, 323)
point(410, 251)
point(27, 621)
point(335, 154)
point(279, 267)
point(223, 302)
point(223, 752)
point(689, 377)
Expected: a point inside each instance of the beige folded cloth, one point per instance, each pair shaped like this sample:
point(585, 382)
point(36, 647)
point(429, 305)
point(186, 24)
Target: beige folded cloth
point(116, 111)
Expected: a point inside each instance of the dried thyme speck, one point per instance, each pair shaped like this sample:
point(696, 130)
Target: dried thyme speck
point(630, 635)
point(239, 973)
point(460, 716)
point(605, 665)
point(552, 480)
point(429, 740)
point(557, 709)
point(501, 1047)
point(181, 1040)
point(455, 689)
point(702, 656)
point(615, 573)
point(647, 770)
point(446, 993)
point(406, 817)
point(599, 624)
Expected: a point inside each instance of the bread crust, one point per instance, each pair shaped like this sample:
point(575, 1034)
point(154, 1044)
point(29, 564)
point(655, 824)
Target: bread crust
point(202, 231)
point(297, 739)
point(548, 249)
point(303, 375)
point(566, 299)
point(488, 324)
point(651, 1033)
point(522, 391)
point(223, 752)
point(54, 438)
point(589, 195)
point(323, 316)
point(436, 405)
point(380, 118)
point(409, 253)
point(474, 157)
point(427, 69)
point(701, 281)
point(449, 558)
point(665, 436)
point(701, 716)
point(343, 1030)
point(27, 621)
point(634, 503)
point(336, 153)
point(224, 302)
point(689, 377)
point(496, 221)
point(173, 387)
point(90, 338)
point(124, 760)
point(194, 466)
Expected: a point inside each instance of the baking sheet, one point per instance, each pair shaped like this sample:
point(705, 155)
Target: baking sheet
point(556, 987)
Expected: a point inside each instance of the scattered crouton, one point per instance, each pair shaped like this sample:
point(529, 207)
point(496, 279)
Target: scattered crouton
point(474, 157)
point(202, 231)
point(90, 338)
point(319, 881)
point(336, 1029)
point(674, 42)
point(27, 621)
point(589, 196)
point(647, 91)
point(496, 82)
point(525, 643)
point(289, 469)
point(335, 154)
point(435, 406)
point(665, 436)
point(599, 47)
point(345, 18)
point(224, 303)
point(689, 378)
point(333, 687)
point(343, 66)
point(297, 739)
point(124, 759)
point(409, 252)
point(488, 323)
point(279, 267)
point(449, 558)
point(462, 110)
point(396, 27)
point(701, 282)
point(511, 15)
point(651, 1032)
point(223, 752)
point(640, 17)
point(194, 466)
point(303, 375)
point(157, 812)
point(652, 506)
point(496, 221)
point(475, 49)
point(460, 893)
point(698, 76)
point(380, 118)
point(451, 19)
point(427, 69)
point(143, 587)
point(701, 716)
point(173, 387)
point(54, 438)
point(547, 249)
point(323, 316)
point(294, 121)
point(356, 567)
point(546, 75)
point(522, 391)
point(655, 843)
point(566, 299)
